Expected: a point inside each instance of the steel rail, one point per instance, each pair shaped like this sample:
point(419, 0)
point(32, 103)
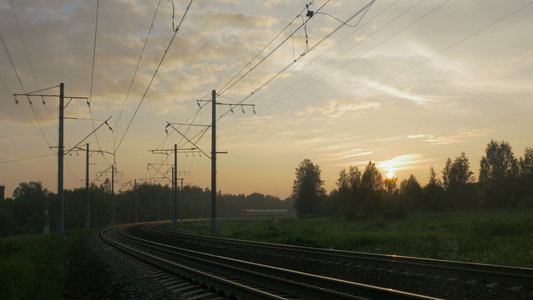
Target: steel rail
point(206, 278)
point(290, 282)
point(491, 273)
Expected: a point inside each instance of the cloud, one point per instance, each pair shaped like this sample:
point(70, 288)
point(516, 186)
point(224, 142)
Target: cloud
point(416, 136)
point(402, 94)
point(401, 162)
point(220, 19)
point(335, 109)
point(460, 137)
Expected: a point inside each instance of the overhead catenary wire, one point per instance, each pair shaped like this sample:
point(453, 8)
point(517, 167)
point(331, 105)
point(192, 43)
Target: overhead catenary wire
point(92, 78)
point(228, 86)
point(367, 51)
point(137, 66)
point(375, 32)
point(23, 89)
point(362, 11)
point(27, 54)
point(176, 30)
point(450, 46)
point(230, 82)
point(235, 80)
point(34, 77)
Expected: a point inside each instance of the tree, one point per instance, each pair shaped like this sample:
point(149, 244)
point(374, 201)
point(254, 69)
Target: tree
point(446, 173)
point(390, 185)
point(371, 181)
point(433, 177)
point(526, 178)
point(433, 193)
point(372, 192)
point(411, 192)
point(308, 189)
point(7, 222)
point(458, 182)
point(344, 200)
point(498, 175)
point(498, 163)
point(29, 200)
point(526, 163)
point(457, 174)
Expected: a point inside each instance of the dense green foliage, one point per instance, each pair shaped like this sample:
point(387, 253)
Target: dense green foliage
point(35, 266)
point(504, 182)
point(308, 189)
point(24, 214)
point(501, 237)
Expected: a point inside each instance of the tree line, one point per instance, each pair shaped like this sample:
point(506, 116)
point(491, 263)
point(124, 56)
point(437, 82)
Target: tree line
point(24, 213)
point(504, 182)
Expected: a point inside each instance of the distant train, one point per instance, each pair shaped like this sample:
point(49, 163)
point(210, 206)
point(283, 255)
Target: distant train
point(264, 212)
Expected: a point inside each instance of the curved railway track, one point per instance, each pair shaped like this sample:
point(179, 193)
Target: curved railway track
point(174, 252)
point(236, 278)
point(488, 273)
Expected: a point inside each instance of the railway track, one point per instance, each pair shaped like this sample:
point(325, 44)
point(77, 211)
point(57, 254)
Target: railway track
point(514, 276)
point(230, 277)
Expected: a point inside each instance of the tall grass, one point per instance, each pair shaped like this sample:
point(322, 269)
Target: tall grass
point(492, 237)
point(35, 266)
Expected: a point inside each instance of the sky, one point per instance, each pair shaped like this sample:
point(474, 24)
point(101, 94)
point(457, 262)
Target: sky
point(404, 84)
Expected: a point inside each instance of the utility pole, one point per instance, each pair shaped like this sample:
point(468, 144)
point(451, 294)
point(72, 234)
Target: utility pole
point(174, 220)
point(213, 162)
point(87, 189)
point(213, 229)
point(60, 155)
point(46, 229)
point(112, 195)
point(174, 179)
point(136, 199)
point(181, 201)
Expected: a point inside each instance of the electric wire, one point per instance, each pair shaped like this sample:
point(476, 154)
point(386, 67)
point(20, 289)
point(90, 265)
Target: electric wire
point(344, 52)
point(225, 86)
point(26, 158)
point(23, 89)
point(372, 48)
point(137, 66)
point(270, 53)
point(27, 55)
point(155, 73)
point(92, 78)
point(467, 37)
point(362, 11)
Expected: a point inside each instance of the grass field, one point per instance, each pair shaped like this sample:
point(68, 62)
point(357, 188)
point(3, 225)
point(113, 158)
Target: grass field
point(492, 237)
point(35, 266)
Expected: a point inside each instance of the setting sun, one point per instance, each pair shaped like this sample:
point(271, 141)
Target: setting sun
point(390, 174)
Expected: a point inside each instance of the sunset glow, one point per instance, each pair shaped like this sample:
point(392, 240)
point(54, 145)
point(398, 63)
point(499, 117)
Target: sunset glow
point(407, 85)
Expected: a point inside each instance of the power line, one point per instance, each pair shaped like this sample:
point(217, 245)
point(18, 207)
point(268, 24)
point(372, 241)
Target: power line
point(138, 64)
point(27, 54)
point(22, 86)
point(351, 61)
point(362, 11)
point(92, 79)
point(408, 68)
point(226, 86)
point(270, 53)
point(25, 159)
point(176, 30)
